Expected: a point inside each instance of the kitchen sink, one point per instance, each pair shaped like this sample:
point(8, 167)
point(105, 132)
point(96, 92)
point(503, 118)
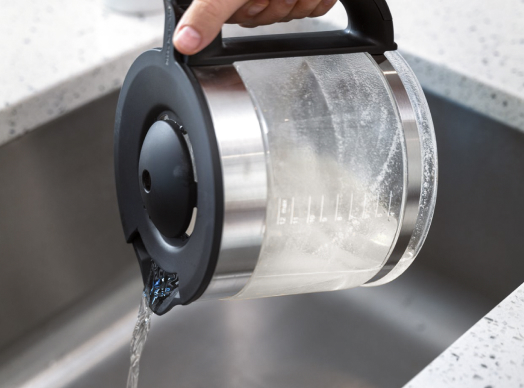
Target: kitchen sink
point(70, 285)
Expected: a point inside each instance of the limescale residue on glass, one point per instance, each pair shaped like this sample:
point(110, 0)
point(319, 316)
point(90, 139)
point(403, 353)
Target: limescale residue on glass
point(336, 169)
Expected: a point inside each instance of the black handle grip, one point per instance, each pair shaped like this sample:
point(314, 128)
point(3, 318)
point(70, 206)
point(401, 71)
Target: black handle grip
point(370, 29)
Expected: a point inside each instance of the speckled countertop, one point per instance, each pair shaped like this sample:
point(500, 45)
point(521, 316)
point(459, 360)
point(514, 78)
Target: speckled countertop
point(58, 55)
point(471, 51)
point(489, 355)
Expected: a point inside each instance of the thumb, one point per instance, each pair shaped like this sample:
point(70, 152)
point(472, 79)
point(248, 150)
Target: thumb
point(202, 22)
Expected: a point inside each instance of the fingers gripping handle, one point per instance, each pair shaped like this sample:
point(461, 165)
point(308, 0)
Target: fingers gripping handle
point(370, 29)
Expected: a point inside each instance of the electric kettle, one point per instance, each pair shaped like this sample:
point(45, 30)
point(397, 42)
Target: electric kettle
point(274, 165)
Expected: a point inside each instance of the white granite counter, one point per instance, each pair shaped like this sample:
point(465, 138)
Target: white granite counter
point(58, 55)
point(471, 51)
point(489, 355)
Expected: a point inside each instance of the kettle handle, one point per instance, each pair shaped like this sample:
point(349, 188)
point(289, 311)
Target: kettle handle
point(370, 29)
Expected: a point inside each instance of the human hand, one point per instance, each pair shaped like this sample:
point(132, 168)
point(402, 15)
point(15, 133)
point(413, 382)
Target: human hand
point(203, 20)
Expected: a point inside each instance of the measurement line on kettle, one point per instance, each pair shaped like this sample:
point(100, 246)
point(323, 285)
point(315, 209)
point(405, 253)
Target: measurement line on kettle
point(308, 219)
point(321, 218)
point(292, 210)
point(336, 208)
point(278, 214)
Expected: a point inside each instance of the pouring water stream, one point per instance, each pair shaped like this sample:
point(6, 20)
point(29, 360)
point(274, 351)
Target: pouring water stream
point(159, 292)
point(142, 326)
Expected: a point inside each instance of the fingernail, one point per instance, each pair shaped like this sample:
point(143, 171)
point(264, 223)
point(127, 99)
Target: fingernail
point(256, 8)
point(290, 2)
point(187, 39)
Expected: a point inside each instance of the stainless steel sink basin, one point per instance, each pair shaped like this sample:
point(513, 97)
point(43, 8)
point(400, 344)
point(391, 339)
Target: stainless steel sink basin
point(69, 285)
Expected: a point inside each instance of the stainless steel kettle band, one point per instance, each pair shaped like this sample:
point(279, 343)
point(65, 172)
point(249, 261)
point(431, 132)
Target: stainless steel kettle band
point(244, 173)
point(414, 165)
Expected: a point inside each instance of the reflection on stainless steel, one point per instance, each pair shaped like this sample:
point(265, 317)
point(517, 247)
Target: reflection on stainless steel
point(245, 178)
point(340, 340)
point(71, 366)
point(60, 231)
point(414, 166)
point(73, 345)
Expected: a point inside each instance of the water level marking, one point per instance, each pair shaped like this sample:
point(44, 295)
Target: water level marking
point(292, 210)
point(321, 219)
point(350, 207)
point(308, 210)
point(278, 213)
point(336, 207)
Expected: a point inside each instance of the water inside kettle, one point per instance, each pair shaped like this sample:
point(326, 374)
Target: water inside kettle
point(336, 162)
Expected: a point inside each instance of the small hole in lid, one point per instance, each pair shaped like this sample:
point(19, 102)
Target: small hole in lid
point(146, 181)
